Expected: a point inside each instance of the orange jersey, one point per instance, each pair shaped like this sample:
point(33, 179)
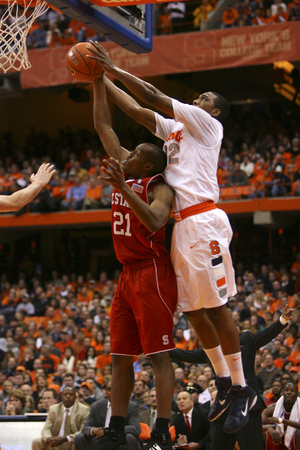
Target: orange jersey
point(103, 360)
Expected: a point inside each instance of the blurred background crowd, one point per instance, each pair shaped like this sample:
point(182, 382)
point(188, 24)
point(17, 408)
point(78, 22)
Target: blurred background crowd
point(54, 29)
point(261, 150)
point(55, 332)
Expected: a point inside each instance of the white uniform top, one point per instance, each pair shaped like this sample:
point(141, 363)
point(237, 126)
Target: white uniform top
point(192, 144)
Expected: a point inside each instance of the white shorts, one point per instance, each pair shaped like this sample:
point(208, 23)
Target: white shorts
point(202, 261)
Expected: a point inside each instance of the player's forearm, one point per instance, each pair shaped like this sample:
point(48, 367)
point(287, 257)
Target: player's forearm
point(149, 217)
point(101, 110)
point(145, 91)
point(18, 199)
point(130, 106)
point(102, 121)
point(140, 88)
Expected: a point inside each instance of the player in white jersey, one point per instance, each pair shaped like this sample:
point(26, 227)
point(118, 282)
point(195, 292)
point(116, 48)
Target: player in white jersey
point(202, 233)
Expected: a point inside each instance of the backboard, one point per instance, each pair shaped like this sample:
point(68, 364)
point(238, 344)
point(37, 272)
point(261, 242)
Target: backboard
point(128, 26)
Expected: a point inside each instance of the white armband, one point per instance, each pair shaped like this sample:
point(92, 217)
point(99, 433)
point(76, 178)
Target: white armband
point(280, 420)
point(283, 321)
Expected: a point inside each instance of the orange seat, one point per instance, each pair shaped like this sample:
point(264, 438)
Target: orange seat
point(172, 433)
point(145, 432)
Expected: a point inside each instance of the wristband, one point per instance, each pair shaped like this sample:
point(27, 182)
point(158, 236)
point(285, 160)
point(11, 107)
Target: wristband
point(280, 420)
point(283, 321)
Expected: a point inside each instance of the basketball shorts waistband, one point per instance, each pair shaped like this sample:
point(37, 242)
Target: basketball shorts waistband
point(193, 210)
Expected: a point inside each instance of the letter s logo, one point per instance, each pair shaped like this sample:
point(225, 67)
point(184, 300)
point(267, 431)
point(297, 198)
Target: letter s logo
point(200, 50)
point(165, 339)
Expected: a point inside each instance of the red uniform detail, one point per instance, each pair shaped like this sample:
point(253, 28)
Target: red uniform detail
point(143, 307)
point(133, 242)
point(146, 296)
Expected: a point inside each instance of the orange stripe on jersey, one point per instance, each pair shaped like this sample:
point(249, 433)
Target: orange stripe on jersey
point(221, 282)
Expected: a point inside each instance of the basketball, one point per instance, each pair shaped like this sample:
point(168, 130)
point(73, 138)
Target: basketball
point(79, 65)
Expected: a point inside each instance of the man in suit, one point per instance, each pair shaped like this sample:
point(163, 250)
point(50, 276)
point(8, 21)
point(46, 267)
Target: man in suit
point(149, 415)
point(64, 420)
point(191, 424)
point(98, 420)
point(250, 436)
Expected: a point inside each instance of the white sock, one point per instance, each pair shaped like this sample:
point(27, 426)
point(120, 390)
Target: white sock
point(218, 361)
point(234, 363)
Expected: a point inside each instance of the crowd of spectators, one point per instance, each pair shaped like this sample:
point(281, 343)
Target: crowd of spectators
point(261, 150)
point(53, 29)
point(56, 332)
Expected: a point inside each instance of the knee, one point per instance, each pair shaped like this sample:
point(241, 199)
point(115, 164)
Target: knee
point(132, 441)
point(79, 441)
point(38, 444)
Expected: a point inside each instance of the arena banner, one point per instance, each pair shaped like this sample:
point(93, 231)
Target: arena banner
point(125, 2)
point(179, 53)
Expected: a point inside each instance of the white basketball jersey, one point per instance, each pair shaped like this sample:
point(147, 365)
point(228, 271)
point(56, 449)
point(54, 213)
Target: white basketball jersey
point(192, 145)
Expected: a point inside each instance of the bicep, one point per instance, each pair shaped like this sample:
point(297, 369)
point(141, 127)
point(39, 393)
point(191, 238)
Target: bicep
point(163, 197)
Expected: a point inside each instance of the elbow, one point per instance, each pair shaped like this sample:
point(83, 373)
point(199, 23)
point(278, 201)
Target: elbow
point(155, 225)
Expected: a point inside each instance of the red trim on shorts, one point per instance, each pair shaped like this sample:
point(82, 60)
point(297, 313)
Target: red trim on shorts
point(193, 210)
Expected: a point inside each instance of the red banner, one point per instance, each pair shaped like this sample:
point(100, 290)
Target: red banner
point(126, 2)
point(179, 53)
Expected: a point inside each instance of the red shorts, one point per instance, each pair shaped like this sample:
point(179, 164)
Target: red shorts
point(271, 446)
point(143, 307)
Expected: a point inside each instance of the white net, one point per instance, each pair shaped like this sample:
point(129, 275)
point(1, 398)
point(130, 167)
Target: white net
point(15, 23)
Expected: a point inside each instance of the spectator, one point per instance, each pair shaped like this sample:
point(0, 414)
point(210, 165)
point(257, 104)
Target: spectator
point(26, 306)
point(281, 184)
point(105, 200)
point(275, 6)
point(286, 430)
point(247, 166)
point(164, 24)
point(229, 16)
point(63, 422)
point(93, 195)
point(75, 196)
point(238, 177)
point(98, 420)
point(15, 405)
point(191, 425)
point(268, 373)
point(200, 15)
point(176, 12)
point(140, 387)
point(37, 38)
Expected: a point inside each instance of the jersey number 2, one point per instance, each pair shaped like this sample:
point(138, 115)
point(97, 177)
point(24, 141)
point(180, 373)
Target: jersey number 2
point(171, 152)
point(122, 224)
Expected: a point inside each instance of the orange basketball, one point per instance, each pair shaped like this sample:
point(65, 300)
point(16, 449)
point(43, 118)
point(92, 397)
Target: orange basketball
point(79, 65)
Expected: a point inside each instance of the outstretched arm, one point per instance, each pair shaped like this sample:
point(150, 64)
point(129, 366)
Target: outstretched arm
point(142, 90)
point(102, 122)
point(144, 116)
point(152, 215)
point(16, 201)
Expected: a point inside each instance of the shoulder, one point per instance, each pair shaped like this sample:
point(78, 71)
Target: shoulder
point(132, 406)
point(178, 417)
point(144, 414)
point(55, 408)
point(81, 407)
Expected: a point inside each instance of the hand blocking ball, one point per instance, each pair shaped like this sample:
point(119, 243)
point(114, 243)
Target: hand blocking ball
point(80, 66)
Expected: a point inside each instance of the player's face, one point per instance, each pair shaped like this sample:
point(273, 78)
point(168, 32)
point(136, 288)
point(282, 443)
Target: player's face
point(205, 101)
point(290, 393)
point(135, 161)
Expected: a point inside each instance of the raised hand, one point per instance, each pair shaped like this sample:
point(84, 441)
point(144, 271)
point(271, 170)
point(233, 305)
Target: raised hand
point(43, 175)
